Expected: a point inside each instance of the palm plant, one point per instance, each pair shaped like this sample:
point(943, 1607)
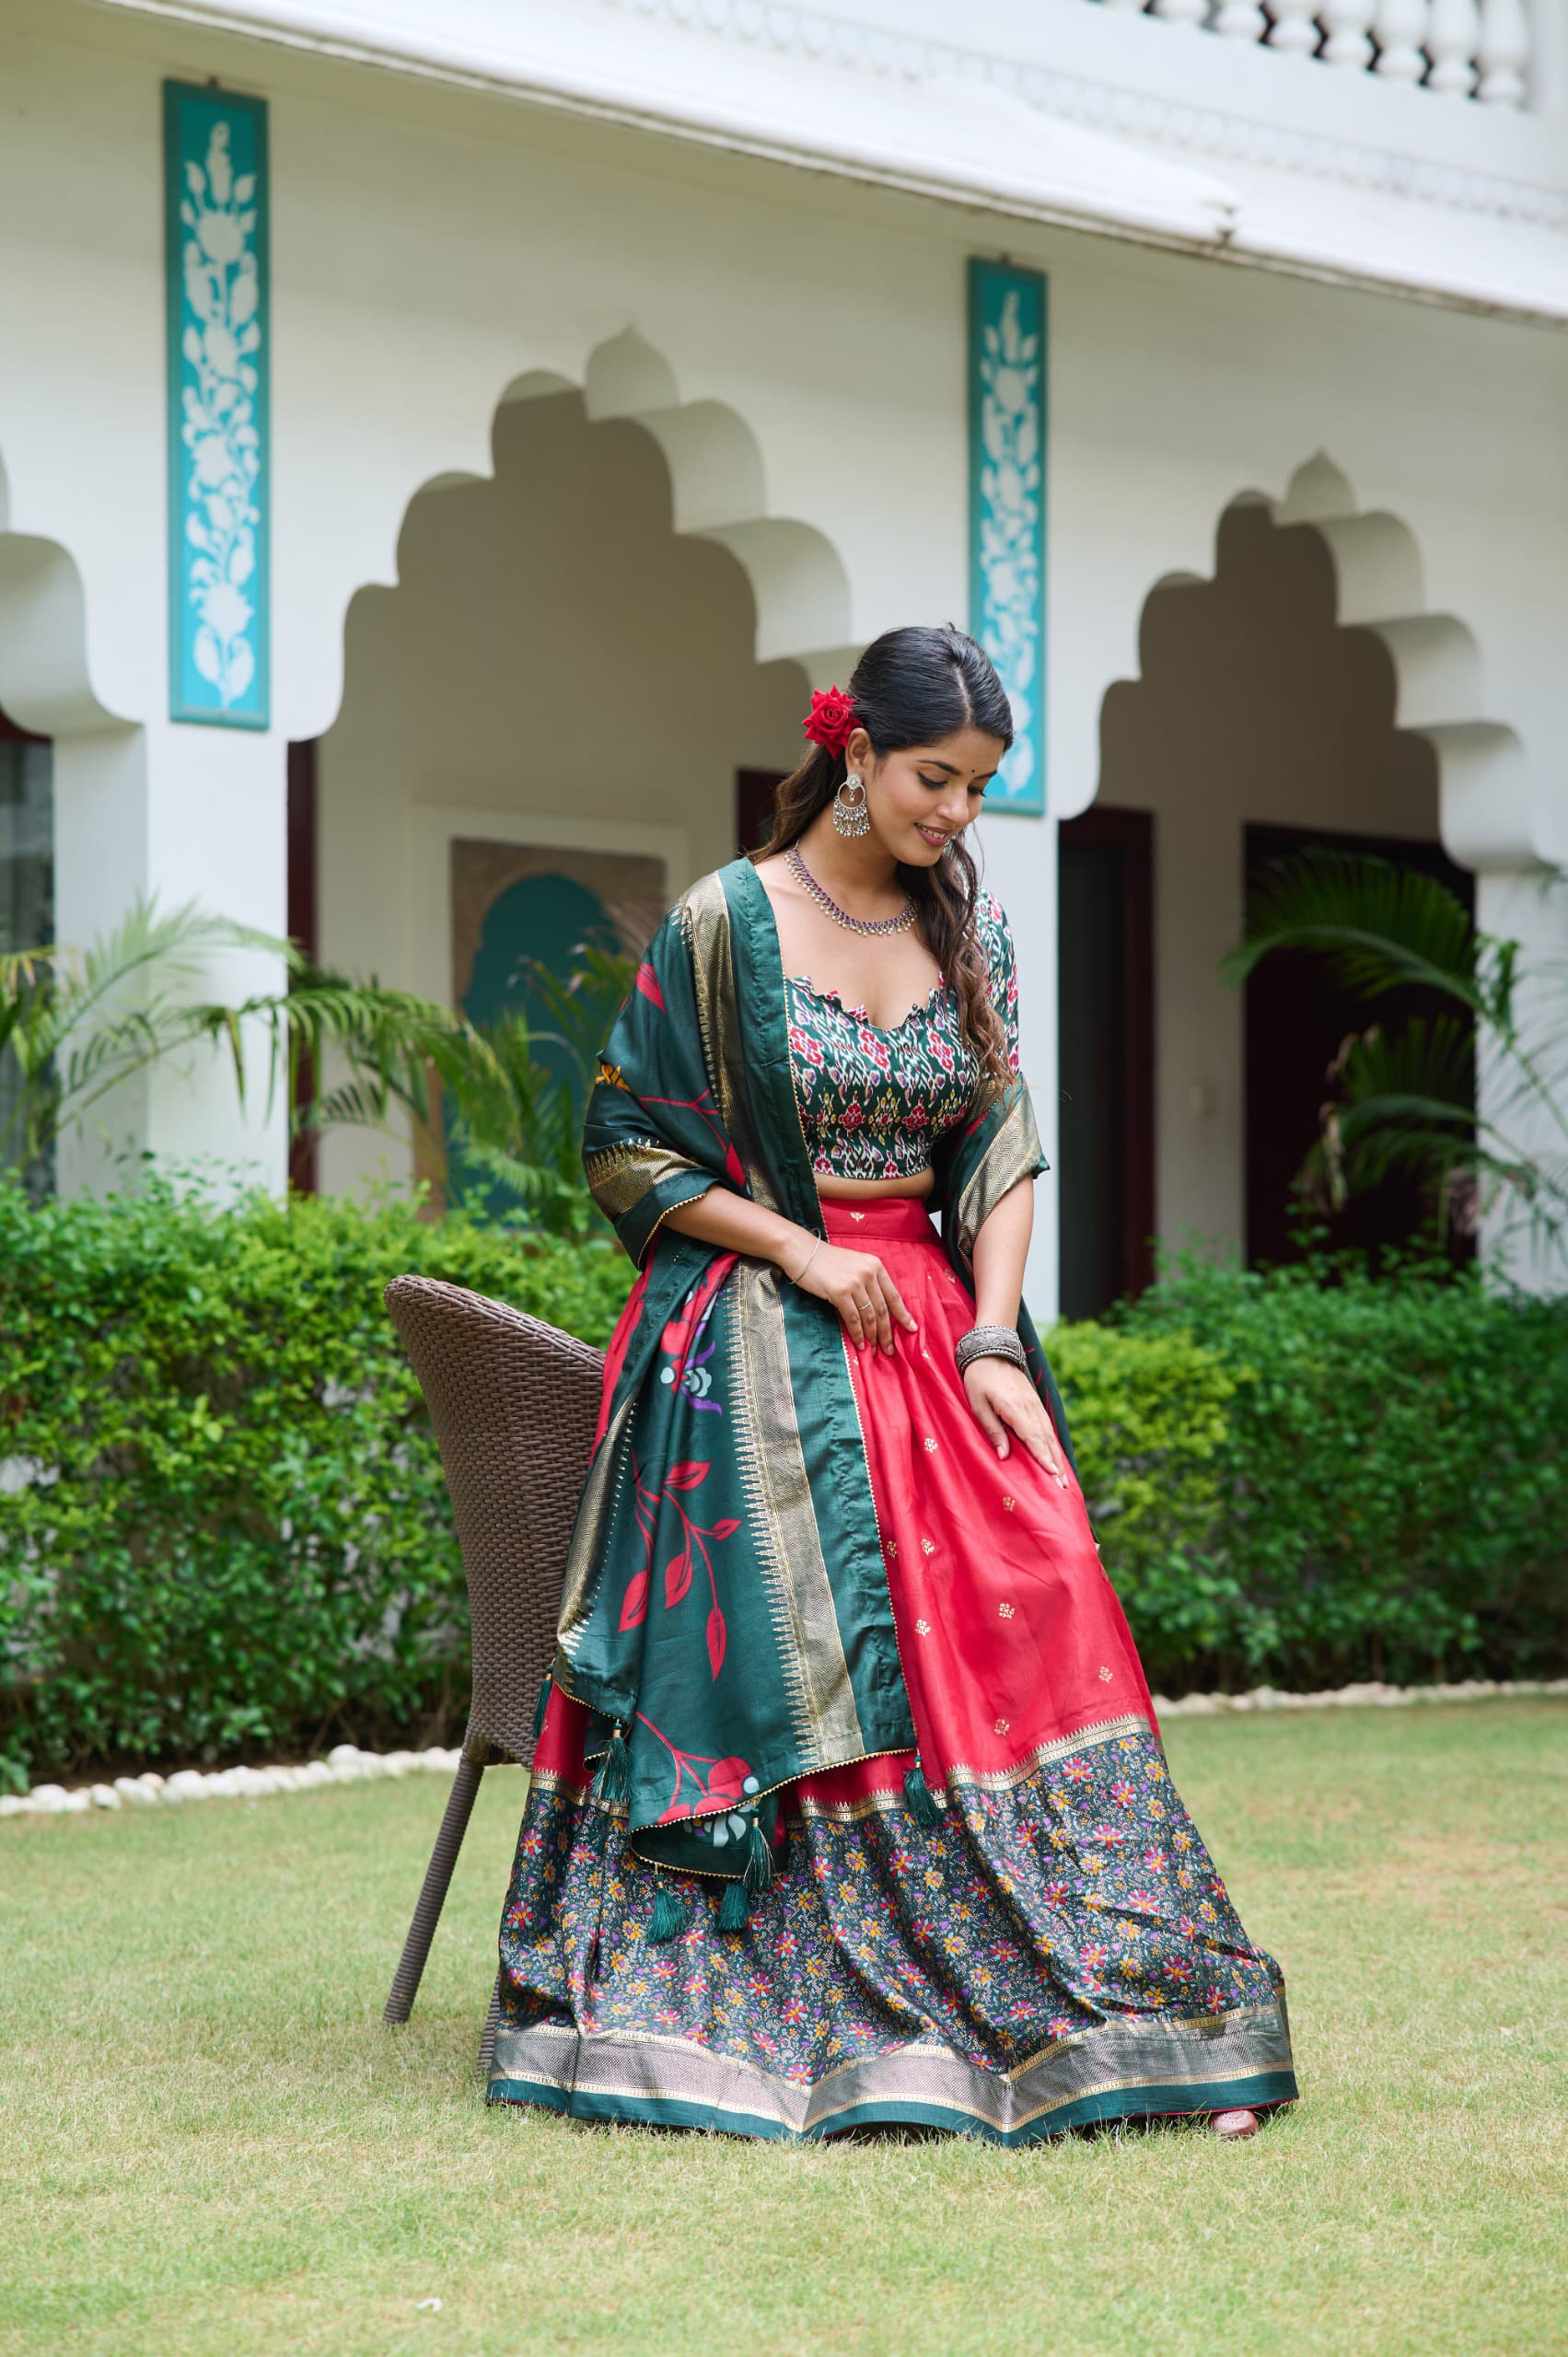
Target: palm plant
point(1402, 1096)
point(75, 1027)
point(489, 1115)
point(515, 1122)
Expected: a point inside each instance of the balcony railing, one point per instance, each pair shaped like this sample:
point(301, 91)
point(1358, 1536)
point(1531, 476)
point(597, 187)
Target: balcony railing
point(1458, 49)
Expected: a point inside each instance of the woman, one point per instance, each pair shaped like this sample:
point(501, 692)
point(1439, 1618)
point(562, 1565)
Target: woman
point(849, 1805)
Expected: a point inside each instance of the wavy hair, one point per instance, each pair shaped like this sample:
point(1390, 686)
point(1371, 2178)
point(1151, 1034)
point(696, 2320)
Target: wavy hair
point(916, 686)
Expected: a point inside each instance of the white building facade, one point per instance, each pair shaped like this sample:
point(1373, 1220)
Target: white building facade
point(612, 371)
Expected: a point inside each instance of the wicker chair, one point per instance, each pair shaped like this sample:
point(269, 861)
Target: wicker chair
point(514, 1404)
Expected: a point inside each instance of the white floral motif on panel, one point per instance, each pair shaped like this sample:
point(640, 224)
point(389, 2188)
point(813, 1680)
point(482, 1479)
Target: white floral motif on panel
point(221, 338)
point(1011, 383)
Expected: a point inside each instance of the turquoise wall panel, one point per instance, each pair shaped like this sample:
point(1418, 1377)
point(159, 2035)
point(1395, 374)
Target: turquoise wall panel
point(215, 196)
point(1007, 430)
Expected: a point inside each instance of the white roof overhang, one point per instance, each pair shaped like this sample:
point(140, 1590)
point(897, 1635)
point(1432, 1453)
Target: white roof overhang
point(960, 140)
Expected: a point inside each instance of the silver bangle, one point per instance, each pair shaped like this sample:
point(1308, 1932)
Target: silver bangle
point(807, 1262)
point(991, 1343)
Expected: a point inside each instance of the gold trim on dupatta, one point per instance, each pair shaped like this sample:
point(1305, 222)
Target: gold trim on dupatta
point(1014, 1153)
point(783, 1518)
point(704, 916)
point(591, 1534)
point(620, 1176)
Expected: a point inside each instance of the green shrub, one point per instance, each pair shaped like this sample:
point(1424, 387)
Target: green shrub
point(1150, 1424)
point(223, 1525)
point(1390, 1495)
point(223, 1522)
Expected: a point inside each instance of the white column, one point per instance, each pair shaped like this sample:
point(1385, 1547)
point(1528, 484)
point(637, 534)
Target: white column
point(179, 814)
point(1348, 24)
point(1240, 20)
point(1531, 907)
point(1452, 33)
point(1503, 52)
point(100, 866)
point(1400, 28)
point(1295, 28)
point(1191, 13)
point(216, 834)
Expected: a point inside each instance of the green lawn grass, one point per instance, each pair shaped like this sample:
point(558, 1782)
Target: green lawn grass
point(210, 2144)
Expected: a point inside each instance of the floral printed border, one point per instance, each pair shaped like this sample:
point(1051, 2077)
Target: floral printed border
point(215, 194)
point(1007, 437)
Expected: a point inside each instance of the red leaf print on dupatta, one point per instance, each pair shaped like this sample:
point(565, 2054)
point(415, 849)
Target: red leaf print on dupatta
point(677, 1578)
point(647, 982)
point(679, 1573)
point(726, 1779)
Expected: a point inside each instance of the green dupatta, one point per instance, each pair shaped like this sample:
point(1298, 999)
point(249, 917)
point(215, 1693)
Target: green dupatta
point(726, 1613)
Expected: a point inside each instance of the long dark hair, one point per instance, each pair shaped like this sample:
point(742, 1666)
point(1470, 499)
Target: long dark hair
point(914, 687)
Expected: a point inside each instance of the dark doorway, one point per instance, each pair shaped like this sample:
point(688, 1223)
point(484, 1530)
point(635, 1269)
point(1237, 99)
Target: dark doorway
point(26, 902)
point(303, 931)
point(1296, 1019)
point(1106, 1156)
point(754, 808)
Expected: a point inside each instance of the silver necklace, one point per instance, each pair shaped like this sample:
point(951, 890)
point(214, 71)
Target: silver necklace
point(829, 907)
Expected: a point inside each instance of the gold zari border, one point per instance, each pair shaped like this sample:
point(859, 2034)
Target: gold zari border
point(1151, 2057)
point(1014, 1153)
point(960, 1779)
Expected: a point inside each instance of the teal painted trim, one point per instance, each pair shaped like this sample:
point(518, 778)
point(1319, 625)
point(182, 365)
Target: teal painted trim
point(1008, 348)
point(216, 265)
point(1263, 2091)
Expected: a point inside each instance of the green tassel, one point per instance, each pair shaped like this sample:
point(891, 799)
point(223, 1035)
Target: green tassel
point(670, 1918)
point(758, 1868)
point(612, 1785)
point(735, 1908)
point(918, 1799)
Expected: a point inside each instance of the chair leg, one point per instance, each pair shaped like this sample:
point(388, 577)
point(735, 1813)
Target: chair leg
point(487, 2035)
point(432, 1897)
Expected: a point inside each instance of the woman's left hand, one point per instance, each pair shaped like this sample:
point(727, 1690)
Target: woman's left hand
point(1006, 1406)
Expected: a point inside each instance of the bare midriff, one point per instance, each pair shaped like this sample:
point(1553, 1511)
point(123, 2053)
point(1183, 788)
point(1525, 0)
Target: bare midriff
point(917, 1183)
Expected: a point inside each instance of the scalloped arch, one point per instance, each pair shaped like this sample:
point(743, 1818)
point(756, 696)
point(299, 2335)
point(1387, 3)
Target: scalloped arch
point(44, 679)
point(1483, 786)
point(1483, 794)
point(718, 493)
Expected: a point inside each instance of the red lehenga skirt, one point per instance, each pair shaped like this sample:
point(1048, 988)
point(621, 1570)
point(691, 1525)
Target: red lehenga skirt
point(1056, 1949)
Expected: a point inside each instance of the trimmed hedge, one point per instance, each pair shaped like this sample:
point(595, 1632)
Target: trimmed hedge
point(1307, 1475)
point(223, 1526)
point(223, 1522)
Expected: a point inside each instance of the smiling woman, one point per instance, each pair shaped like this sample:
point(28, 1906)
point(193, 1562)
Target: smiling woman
point(834, 1629)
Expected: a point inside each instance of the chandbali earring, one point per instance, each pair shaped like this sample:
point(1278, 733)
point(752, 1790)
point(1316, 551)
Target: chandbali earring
point(851, 816)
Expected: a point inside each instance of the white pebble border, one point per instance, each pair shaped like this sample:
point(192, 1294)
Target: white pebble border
point(346, 1764)
point(1338, 1697)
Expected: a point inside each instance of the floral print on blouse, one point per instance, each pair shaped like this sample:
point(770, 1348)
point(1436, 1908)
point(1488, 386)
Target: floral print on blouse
point(874, 1103)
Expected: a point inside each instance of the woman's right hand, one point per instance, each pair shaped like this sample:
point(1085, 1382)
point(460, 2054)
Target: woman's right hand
point(859, 1288)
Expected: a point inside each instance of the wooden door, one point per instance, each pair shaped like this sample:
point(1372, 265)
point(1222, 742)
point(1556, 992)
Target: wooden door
point(1105, 1157)
point(1297, 1019)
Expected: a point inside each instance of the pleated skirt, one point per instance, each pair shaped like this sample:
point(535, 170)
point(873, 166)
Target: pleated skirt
point(1055, 1947)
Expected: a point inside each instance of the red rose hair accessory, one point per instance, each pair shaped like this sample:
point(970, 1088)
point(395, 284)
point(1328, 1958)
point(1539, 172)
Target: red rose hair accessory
point(832, 719)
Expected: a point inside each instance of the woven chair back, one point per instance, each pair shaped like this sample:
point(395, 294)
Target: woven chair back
point(514, 1404)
